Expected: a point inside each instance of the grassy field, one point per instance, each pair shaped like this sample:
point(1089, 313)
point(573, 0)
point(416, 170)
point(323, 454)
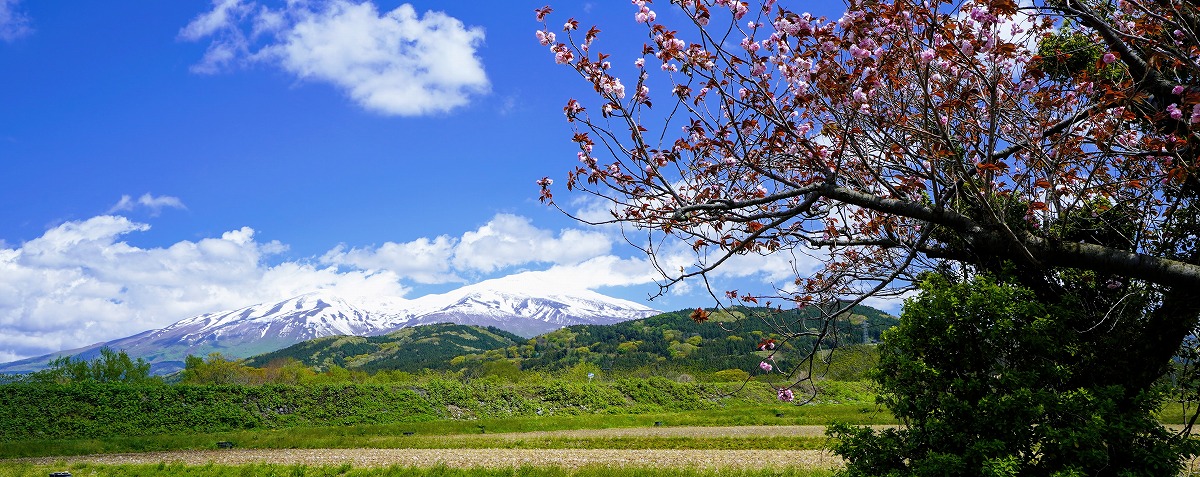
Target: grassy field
point(744, 441)
point(478, 433)
point(267, 470)
point(741, 439)
point(630, 445)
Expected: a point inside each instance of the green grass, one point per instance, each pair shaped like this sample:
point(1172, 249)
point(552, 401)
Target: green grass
point(266, 470)
point(1174, 413)
point(34, 449)
point(474, 434)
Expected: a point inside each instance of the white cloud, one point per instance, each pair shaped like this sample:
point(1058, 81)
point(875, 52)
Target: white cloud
point(506, 241)
point(509, 240)
point(891, 304)
point(79, 283)
point(13, 23)
point(598, 272)
point(224, 15)
point(398, 63)
point(422, 260)
point(155, 204)
point(672, 254)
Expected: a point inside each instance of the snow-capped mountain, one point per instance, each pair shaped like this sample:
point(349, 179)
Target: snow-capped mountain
point(524, 307)
point(300, 318)
point(520, 306)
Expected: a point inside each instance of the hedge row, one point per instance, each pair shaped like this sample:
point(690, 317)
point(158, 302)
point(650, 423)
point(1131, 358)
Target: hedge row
point(95, 410)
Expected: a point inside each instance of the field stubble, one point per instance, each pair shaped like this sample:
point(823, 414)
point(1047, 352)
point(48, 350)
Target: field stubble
point(512, 457)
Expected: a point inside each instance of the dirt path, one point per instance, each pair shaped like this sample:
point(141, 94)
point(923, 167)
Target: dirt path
point(567, 458)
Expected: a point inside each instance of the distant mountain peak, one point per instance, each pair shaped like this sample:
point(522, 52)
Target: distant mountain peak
point(522, 307)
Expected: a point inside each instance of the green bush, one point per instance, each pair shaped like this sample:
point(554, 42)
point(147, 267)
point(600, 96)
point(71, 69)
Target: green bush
point(989, 381)
point(98, 410)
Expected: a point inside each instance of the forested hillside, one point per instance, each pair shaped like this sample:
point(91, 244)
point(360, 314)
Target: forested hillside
point(668, 343)
point(674, 341)
point(410, 349)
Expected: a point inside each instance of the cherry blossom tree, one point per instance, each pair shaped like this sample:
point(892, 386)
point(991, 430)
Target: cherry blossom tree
point(903, 137)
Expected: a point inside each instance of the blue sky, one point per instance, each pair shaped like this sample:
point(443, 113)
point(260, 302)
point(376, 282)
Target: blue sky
point(163, 159)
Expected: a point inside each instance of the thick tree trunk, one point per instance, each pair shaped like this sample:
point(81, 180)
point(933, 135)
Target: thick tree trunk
point(1150, 352)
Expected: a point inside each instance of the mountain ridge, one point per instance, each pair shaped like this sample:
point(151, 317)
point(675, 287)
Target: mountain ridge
point(509, 303)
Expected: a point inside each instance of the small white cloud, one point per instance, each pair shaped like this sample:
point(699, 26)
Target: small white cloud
point(422, 260)
point(599, 272)
point(225, 15)
point(506, 241)
point(13, 23)
point(509, 240)
point(891, 304)
point(396, 63)
point(155, 204)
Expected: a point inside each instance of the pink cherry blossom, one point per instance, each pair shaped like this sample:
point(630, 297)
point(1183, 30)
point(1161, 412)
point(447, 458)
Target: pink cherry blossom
point(1177, 90)
point(739, 10)
point(643, 93)
point(645, 15)
point(926, 56)
point(1108, 58)
point(612, 85)
point(1173, 110)
point(563, 55)
point(765, 366)
point(786, 395)
point(859, 96)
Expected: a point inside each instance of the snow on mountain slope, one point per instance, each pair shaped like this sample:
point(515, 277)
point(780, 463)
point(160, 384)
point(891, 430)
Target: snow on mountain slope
point(518, 304)
point(303, 317)
point(237, 333)
point(525, 307)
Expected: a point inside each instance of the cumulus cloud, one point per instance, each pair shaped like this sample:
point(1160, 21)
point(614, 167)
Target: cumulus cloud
point(511, 240)
point(395, 63)
point(598, 272)
point(506, 241)
point(155, 204)
point(422, 260)
point(671, 255)
point(80, 283)
point(13, 23)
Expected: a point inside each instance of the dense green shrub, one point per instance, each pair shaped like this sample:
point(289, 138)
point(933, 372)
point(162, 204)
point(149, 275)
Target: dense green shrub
point(988, 381)
point(95, 410)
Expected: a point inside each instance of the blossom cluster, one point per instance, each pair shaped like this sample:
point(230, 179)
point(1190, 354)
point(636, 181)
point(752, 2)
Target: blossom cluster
point(782, 126)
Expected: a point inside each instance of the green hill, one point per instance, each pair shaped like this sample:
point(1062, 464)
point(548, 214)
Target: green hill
point(409, 349)
point(674, 342)
point(662, 344)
